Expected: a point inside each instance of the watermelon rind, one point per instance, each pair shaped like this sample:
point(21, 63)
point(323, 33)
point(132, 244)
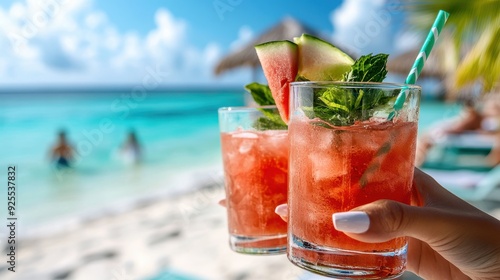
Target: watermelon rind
point(321, 61)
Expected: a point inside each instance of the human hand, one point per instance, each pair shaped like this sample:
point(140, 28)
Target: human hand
point(448, 238)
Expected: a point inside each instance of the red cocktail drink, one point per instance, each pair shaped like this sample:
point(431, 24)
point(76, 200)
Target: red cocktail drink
point(256, 178)
point(335, 168)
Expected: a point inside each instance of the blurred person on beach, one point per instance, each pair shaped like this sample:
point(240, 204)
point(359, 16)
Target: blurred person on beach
point(473, 119)
point(491, 124)
point(131, 151)
point(62, 152)
point(448, 237)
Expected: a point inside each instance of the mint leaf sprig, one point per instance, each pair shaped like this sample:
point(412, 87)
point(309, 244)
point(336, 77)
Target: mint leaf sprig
point(262, 95)
point(270, 121)
point(340, 106)
point(368, 68)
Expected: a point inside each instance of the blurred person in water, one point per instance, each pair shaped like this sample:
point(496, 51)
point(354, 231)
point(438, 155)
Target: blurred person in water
point(62, 152)
point(131, 151)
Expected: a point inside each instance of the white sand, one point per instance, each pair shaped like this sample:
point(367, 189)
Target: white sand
point(186, 234)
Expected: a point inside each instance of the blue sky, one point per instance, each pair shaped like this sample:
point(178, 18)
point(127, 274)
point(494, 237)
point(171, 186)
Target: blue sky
point(206, 23)
point(112, 42)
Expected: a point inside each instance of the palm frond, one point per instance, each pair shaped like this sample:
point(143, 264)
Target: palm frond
point(482, 62)
point(475, 28)
point(467, 17)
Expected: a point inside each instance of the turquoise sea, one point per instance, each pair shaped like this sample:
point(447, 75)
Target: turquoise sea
point(177, 130)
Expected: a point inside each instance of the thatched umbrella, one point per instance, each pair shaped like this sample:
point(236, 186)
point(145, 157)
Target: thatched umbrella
point(441, 63)
point(402, 64)
point(246, 55)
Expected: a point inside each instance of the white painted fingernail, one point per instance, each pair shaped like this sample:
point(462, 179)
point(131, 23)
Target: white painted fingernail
point(282, 210)
point(353, 221)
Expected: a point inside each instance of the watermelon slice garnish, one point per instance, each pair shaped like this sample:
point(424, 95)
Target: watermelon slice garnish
point(279, 61)
point(309, 58)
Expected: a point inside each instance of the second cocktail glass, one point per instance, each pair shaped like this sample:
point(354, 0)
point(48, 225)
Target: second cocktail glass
point(346, 150)
point(255, 156)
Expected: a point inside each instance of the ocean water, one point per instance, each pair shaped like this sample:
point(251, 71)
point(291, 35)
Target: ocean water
point(433, 111)
point(177, 131)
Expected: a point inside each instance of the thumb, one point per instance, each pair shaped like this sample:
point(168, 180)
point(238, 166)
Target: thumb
point(384, 220)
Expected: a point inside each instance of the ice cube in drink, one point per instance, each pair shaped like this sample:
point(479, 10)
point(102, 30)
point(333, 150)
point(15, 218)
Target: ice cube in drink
point(363, 164)
point(256, 176)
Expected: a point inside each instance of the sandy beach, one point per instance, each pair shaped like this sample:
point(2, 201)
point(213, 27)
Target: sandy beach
point(184, 235)
point(169, 236)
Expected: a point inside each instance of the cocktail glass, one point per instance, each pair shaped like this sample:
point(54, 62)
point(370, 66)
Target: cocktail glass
point(255, 157)
point(342, 160)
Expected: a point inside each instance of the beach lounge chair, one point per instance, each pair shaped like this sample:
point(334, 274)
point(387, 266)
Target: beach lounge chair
point(466, 151)
point(459, 164)
point(468, 185)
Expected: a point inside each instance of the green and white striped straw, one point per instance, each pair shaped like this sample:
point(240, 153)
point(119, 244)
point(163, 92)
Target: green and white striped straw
point(426, 49)
point(424, 53)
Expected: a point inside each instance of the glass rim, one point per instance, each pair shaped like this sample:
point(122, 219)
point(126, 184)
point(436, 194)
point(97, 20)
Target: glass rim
point(388, 86)
point(239, 109)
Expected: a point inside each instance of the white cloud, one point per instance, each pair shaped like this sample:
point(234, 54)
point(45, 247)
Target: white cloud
point(17, 11)
point(406, 40)
point(245, 35)
point(72, 42)
point(130, 51)
point(364, 26)
point(112, 39)
point(167, 36)
point(95, 19)
point(211, 53)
